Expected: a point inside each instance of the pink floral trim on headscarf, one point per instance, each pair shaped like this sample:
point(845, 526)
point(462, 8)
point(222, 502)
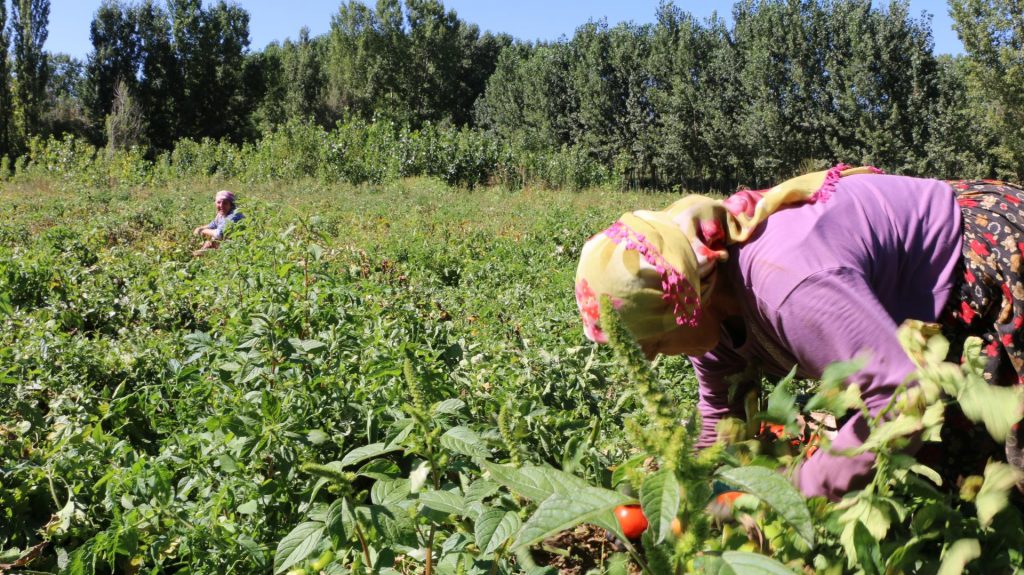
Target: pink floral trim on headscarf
point(831, 179)
point(590, 311)
point(675, 289)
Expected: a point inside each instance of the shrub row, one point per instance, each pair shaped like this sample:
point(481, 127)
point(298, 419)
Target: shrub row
point(356, 152)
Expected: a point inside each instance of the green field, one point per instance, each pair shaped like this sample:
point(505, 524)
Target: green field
point(363, 373)
point(158, 406)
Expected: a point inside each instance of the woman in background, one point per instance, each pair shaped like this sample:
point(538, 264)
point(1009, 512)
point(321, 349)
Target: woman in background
point(213, 232)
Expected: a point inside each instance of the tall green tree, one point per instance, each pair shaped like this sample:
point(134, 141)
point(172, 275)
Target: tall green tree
point(432, 74)
point(479, 63)
point(304, 78)
point(29, 21)
point(956, 147)
point(65, 111)
point(609, 77)
point(528, 99)
point(265, 77)
point(126, 124)
point(992, 32)
point(114, 59)
point(210, 45)
point(6, 109)
point(414, 62)
point(159, 87)
point(679, 52)
point(367, 58)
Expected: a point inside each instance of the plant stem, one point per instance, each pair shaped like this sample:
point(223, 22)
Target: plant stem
point(636, 557)
point(430, 552)
point(362, 542)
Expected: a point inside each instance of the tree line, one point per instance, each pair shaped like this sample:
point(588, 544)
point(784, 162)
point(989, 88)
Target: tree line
point(781, 87)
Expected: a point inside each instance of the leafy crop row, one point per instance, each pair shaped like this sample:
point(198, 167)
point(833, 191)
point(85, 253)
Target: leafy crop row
point(391, 379)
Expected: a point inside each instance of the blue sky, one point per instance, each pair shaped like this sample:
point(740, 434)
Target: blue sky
point(272, 20)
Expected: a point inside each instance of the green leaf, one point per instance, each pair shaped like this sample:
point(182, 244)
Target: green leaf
point(481, 489)
point(958, 555)
point(781, 406)
point(993, 496)
point(659, 496)
point(559, 512)
point(389, 492)
point(494, 527)
point(973, 362)
point(903, 557)
point(622, 470)
point(866, 509)
point(317, 436)
point(379, 469)
point(902, 426)
point(746, 563)
point(924, 470)
point(360, 454)
point(536, 483)
point(869, 555)
point(840, 371)
point(995, 406)
point(465, 441)
point(445, 502)
point(777, 492)
point(618, 564)
point(307, 345)
point(298, 545)
point(449, 407)
point(418, 477)
point(341, 521)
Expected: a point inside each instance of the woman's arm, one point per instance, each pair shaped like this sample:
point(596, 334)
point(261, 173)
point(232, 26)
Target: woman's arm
point(218, 226)
point(833, 316)
point(721, 393)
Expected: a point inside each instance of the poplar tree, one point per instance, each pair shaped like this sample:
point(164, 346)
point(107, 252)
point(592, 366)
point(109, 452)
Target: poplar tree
point(210, 46)
point(304, 78)
point(114, 59)
point(6, 116)
point(158, 91)
point(29, 21)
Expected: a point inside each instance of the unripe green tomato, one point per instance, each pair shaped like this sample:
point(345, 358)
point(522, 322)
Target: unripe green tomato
point(323, 561)
point(297, 571)
point(970, 488)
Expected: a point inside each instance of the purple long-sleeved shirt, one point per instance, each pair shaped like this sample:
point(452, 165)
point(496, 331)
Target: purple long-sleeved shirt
point(821, 283)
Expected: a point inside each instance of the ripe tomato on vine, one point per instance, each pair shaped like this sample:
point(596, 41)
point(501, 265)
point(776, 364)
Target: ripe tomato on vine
point(632, 520)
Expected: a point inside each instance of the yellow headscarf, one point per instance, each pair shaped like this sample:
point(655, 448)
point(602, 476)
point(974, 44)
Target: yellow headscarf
point(657, 265)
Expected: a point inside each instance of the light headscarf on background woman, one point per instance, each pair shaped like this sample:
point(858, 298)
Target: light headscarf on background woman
point(657, 265)
point(226, 195)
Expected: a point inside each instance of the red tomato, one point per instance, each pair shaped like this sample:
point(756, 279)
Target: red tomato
point(727, 498)
point(631, 520)
point(721, 506)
